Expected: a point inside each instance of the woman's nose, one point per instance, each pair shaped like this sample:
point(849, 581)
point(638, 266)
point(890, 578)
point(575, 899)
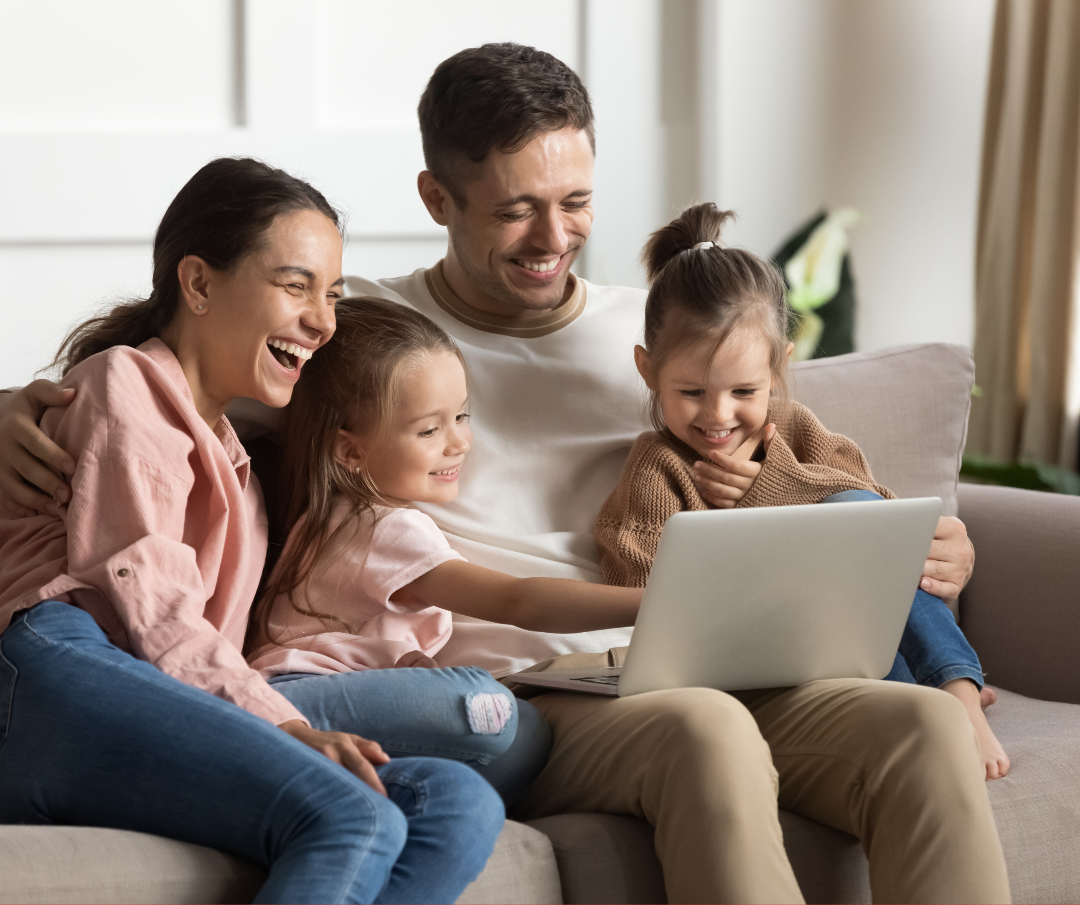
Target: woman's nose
point(319, 317)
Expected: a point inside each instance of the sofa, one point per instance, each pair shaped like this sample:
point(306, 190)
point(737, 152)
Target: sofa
point(907, 407)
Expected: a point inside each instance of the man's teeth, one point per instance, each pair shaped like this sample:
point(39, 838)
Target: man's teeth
point(539, 268)
point(714, 435)
point(292, 348)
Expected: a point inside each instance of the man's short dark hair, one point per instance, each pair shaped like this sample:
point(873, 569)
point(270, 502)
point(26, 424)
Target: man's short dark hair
point(496, 96)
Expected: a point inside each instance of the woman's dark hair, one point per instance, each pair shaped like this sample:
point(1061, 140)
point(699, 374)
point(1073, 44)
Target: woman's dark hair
point(221, 216)
point(700, 290)
point(496, 96)
point(352, 382)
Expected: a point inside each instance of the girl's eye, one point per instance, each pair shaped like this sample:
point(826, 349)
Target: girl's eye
point(462, 417)
point(692, 394)
point(745, 393)
point(430, 432)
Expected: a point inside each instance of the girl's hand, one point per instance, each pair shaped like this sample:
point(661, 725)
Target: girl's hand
point(727, 479)
point(355, 754)
point(415, 659)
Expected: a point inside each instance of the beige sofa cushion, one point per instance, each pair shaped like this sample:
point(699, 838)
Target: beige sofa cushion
point(64, 864)
point(907, 408)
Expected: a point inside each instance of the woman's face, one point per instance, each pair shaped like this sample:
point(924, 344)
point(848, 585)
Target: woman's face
point(263, 319)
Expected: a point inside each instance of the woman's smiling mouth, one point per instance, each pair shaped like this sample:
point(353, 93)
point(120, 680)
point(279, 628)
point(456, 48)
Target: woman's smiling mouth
point(287, 354)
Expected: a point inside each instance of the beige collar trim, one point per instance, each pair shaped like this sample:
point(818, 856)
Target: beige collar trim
point(525, 326)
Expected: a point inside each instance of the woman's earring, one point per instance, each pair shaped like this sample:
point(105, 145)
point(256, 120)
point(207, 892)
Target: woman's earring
point(200, 307)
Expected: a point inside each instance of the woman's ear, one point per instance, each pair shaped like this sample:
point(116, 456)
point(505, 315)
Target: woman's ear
point(644, 367)
point(348, 450)
point(195, 275)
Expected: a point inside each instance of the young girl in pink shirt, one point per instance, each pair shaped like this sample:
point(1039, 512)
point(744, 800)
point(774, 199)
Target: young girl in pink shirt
point(366, 582)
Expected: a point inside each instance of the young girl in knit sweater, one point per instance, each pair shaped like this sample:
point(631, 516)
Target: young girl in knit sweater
point(379, 421)
point(714, 360)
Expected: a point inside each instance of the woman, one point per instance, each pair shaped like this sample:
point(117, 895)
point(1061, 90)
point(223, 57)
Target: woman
point(119, 613)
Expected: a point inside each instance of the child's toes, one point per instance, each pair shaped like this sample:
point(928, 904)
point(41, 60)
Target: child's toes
point(987, 697)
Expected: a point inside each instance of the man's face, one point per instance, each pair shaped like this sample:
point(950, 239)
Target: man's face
point(526, 219)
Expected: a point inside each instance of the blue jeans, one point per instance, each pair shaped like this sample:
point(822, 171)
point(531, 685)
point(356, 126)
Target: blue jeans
point(91, 736)
point(432, 712)
point(933, 650)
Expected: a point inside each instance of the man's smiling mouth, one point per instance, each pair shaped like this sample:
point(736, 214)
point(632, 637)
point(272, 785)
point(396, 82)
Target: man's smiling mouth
point(535, 267)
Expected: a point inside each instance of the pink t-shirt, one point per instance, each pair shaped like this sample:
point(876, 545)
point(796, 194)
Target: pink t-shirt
point(354, 583)
point(164, 539)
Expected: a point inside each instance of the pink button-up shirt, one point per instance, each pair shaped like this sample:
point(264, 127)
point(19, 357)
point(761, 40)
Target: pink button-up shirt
point(164, 539)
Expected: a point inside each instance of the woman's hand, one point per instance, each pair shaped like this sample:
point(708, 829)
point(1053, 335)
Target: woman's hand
point(415, 659)
point(355, 754)
point(951, 561)
point(727, 479)
point(30, 463)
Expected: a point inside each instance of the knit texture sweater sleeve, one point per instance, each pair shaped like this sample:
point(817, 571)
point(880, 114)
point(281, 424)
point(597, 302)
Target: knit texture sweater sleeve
point(807, 463)
point(656, 483)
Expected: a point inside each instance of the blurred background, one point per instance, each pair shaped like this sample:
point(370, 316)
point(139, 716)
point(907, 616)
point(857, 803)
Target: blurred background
point(778, 109)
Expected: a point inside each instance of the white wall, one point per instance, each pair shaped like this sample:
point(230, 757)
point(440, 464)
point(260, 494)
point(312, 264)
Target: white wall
point(877, 105)
point(773, 107)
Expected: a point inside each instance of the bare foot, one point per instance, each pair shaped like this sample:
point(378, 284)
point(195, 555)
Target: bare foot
point(994, 758)
point(987, 697)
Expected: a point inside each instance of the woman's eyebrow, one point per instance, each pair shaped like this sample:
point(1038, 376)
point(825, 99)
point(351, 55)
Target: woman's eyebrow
point(304, 272)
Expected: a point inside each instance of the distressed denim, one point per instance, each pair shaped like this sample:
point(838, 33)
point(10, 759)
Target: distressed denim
point(460, 713)
point(91, 736)
point(933, 650)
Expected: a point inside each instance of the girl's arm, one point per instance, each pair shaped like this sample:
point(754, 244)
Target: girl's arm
point(539, 604)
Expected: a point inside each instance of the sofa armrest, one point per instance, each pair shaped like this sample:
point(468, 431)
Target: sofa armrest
point(1021, 610)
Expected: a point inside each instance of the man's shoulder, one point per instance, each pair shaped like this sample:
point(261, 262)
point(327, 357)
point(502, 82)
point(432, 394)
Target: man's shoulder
point(406, 290)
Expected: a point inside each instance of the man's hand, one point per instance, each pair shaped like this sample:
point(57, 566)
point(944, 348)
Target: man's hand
point(355, 754)
point(415, 659)
point(727, 479)
point(950, 563)
point(31, 465)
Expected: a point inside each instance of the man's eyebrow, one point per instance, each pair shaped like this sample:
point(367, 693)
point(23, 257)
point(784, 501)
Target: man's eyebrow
point(305, 273)
point(523, 199)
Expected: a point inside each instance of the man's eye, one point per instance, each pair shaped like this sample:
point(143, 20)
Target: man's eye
point(515, 216)
point(576, 205)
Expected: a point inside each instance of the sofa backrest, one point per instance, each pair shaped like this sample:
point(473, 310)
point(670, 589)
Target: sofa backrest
point(907, 408)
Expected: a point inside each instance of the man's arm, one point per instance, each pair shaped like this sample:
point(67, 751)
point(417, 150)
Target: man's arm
point(31, 465)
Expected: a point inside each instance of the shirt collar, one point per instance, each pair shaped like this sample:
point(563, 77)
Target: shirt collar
point(525, 326)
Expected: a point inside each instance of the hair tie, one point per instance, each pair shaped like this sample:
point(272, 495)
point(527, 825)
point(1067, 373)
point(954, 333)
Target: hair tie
point(704, 245)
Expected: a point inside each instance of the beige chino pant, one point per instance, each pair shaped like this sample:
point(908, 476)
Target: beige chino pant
point(896, 765)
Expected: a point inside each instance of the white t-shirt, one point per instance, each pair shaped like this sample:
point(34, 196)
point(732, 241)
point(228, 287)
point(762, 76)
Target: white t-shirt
point(555, 403)
point(366, 621)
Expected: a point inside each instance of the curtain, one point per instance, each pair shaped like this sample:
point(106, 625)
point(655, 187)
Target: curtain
point(1027, 347)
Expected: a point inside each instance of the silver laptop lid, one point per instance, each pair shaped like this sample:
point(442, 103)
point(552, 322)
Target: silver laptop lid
point(774, 597)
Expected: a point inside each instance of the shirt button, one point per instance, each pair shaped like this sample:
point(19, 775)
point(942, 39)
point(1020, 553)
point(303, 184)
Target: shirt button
point(123, 573)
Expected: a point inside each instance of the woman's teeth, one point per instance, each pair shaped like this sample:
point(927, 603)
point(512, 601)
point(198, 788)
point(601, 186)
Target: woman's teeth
point(292, 348)
point(447, 472)
point(538, 268)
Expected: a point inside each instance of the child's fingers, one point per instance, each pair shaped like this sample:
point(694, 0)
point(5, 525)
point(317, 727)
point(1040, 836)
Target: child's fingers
point(704, 471)
point(741, 467)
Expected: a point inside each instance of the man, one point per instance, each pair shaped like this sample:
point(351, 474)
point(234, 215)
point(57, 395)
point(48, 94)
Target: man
point(556, 404)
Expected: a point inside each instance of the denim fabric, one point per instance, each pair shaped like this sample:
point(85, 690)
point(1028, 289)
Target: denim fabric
point(426, 712)
point(933, 650)
point(91, 736)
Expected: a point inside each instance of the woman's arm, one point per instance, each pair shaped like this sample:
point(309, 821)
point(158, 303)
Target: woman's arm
point(538, 604)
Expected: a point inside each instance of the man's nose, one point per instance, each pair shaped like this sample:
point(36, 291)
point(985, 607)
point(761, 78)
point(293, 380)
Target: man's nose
point(549, 232)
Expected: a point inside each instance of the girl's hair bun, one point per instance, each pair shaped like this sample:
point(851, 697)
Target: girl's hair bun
point(700, 223)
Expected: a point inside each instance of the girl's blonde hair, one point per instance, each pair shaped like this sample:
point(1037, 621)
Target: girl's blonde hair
point(705, 292)
point(353, 382)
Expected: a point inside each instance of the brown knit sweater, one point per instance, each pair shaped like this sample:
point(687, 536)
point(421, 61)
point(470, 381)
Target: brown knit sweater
point(805, 464)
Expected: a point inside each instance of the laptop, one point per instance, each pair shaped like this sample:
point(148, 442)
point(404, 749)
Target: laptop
point(770, 598)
